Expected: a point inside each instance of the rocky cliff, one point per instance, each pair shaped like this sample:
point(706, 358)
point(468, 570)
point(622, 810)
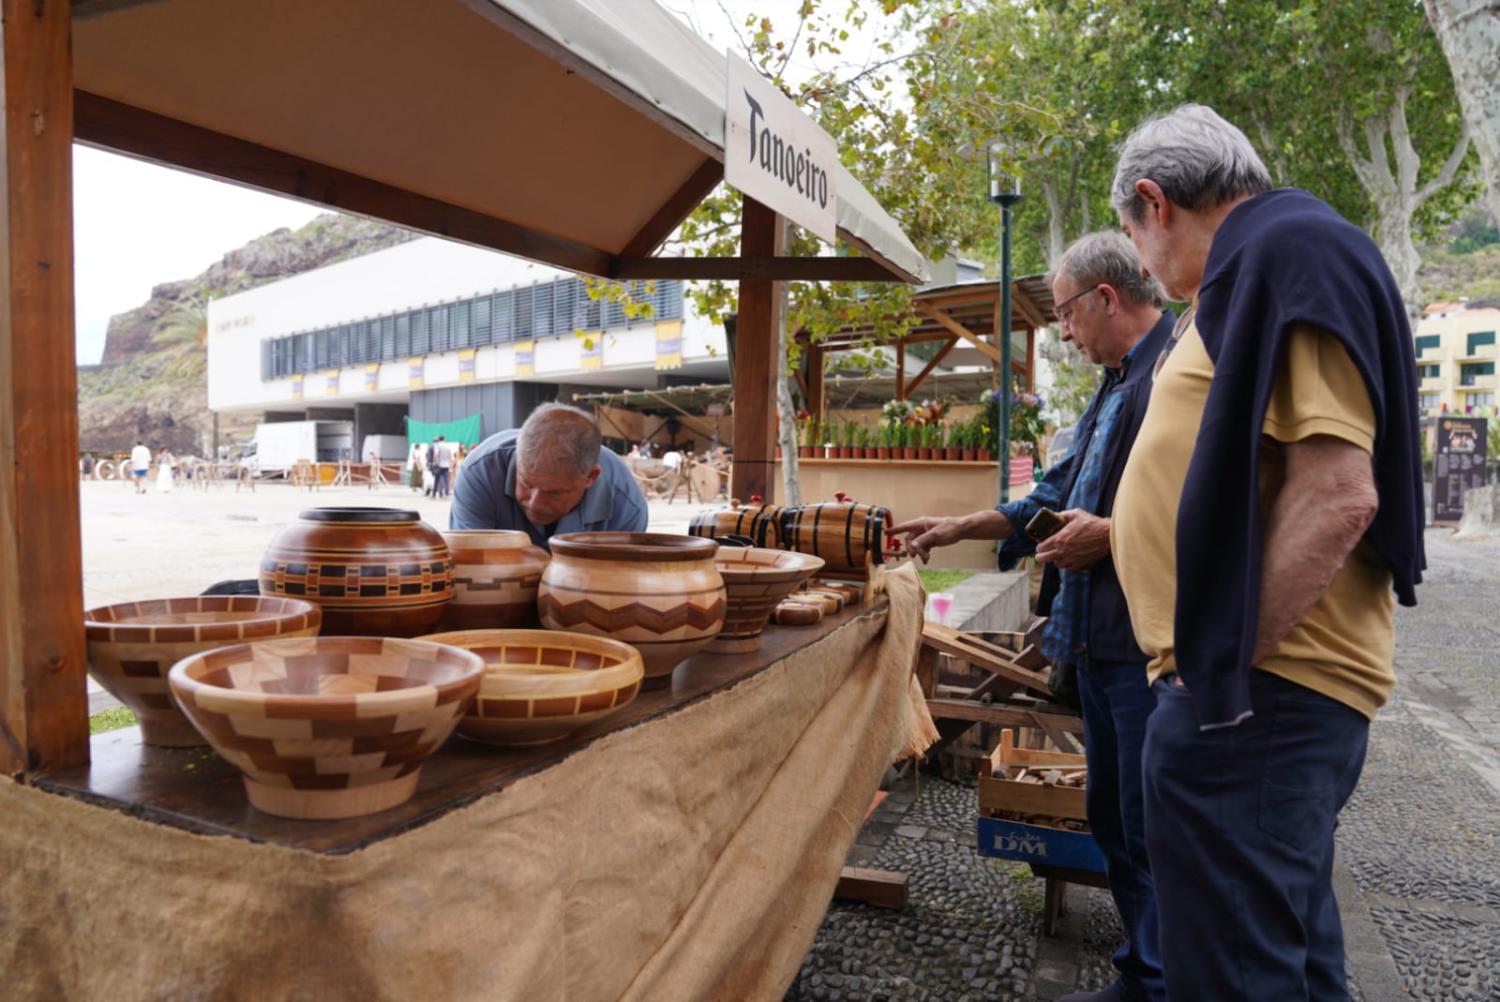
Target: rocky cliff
point(152, 380)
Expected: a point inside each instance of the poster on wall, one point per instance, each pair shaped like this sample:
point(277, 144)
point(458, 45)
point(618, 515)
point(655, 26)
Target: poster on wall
point(1458, 466)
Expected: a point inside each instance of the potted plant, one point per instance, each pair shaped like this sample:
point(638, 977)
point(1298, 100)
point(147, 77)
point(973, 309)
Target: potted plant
point(908, 441)
point(967, 436)
point(851, 431)
point(805, 434)
point(950, 447)
point(883, 440)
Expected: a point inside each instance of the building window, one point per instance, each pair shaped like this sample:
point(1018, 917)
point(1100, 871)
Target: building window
point(1429, 401)
point(523, 317)
point(1470, 372)
point(479, 332)
point(1429, 371)
point(403, 336)
point(504, 316)
point(421, 332)
point(387, 339)
point(1428, 341)
point(1481, 400)
point(1480, 339)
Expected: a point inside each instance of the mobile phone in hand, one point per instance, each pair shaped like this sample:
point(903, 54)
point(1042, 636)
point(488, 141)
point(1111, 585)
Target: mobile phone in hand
point(1045, 523)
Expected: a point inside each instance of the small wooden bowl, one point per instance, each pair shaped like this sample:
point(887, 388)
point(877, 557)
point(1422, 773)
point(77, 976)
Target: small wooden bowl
point(132, 646)
point(756, 580)
point(327, 727)
point(542, 685)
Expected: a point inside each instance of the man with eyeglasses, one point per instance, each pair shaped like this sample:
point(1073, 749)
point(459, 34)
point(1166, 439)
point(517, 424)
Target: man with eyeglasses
point(1114, 315)
point(1271, 505)
point(551, 476)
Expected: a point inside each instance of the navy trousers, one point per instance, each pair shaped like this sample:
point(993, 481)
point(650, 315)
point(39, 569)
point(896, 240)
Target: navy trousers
point(1117, 703)
point(1239, 828)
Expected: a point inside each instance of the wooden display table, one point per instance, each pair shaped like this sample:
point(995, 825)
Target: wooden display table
point(688, 844)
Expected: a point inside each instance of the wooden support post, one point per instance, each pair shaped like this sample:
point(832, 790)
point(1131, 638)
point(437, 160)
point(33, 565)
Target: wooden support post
point(900, 369)
point(815, 395)
point(43, 699)
point(757, 347)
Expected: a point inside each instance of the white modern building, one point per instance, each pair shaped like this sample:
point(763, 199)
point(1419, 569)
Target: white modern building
point(440, 331)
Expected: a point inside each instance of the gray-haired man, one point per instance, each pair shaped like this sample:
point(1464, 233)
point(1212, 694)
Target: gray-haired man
point(1115, 316)
point(550, 476)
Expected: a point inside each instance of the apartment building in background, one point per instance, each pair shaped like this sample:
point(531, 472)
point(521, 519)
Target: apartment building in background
point(1456, 350)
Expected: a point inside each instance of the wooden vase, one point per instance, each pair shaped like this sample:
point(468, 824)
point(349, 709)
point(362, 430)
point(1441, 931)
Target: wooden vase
point(495, 577)
point(660, 594)
point(848, 536)
point(376, 572)
point(759, 523)
point(132, 646)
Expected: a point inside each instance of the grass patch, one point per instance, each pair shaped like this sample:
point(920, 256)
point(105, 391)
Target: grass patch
point(942, 580)
point(111, 720)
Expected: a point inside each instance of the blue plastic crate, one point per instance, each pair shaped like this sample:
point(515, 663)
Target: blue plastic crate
point(1036, 844)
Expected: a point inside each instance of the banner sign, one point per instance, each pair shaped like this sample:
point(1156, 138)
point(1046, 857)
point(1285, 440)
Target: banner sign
point(415, 371)
point(592, 356)
point(331, 383)
point(777, 155)
point(297, 387)
point(372, 376)
point(466, 365)
point(669, 345)
point(525, 359)
point(1458, 465)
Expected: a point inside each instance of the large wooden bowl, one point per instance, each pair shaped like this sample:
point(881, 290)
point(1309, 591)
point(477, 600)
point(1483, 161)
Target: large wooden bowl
point(327, 727)
point(542, 685)
point(132, 646)
point(756, 580)
point(376, 572)
point(660, 594)
point(495, 576)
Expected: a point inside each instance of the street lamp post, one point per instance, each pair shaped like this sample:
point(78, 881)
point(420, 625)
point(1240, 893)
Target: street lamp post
point(1005, 191)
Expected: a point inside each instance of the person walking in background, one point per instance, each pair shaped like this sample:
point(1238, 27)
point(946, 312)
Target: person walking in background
point(140, 465)
point(1271, 504)
point(442, 466)
point(165, 463)
point(415, 466)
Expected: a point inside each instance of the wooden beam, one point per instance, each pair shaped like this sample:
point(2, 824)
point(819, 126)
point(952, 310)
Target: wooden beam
point(694, 190)
point(960, 330)
point(1024, 306)
point(936, 360)
point(147, 136)
point(43, 695)
point(754, 267)
point(881, 888)
point(757, 351)
point(1002, 714)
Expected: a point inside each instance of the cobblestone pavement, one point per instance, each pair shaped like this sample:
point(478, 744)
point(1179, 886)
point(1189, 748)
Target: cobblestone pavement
point(1419, 848)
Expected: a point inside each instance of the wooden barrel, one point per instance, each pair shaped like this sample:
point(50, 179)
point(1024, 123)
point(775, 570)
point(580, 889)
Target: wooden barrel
point(843, 533)
point(760, 523)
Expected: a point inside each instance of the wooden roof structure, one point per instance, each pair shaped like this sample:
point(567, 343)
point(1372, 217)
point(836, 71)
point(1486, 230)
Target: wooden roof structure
point(964, 315)
point(569, 132)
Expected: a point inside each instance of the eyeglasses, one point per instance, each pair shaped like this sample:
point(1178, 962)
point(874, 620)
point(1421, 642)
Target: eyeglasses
point(1066, 315)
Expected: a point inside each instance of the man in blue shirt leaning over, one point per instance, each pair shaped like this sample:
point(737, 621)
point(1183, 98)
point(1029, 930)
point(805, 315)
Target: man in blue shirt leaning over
point(1115, 316)
point(550, 476)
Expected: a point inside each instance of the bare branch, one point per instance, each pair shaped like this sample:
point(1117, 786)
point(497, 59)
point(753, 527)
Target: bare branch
point(735, 27)
point(1450, 168)
point(792, 47)
point(1363, 169)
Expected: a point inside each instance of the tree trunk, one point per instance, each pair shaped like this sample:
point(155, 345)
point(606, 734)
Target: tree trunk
point(1393, 188)
point(791, 477)
point(1057, 240)
point(1469, 31)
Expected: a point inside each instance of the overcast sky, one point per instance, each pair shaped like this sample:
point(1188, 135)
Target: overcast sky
point(136, 225)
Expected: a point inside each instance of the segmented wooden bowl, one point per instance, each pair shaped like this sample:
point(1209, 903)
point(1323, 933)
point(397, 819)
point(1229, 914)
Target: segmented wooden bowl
point(327, 727)
point(131, 647)
point(542, 685)
point(756, 580)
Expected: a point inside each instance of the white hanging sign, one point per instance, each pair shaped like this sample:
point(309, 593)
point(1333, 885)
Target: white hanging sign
point(777, 155)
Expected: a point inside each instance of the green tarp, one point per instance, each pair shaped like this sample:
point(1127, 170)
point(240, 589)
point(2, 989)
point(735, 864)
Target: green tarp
point(465, 430)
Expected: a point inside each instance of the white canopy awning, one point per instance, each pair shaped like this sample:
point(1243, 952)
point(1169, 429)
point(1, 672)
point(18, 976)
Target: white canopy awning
point(578, 133)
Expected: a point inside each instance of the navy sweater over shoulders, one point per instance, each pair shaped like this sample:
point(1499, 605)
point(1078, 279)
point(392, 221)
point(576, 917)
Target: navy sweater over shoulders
point(1279, 259)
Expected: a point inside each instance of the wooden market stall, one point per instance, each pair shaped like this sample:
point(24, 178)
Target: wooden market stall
point(563, 131)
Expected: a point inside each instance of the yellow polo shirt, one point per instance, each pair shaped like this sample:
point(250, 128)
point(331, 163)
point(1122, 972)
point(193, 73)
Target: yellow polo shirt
point(1345, 645)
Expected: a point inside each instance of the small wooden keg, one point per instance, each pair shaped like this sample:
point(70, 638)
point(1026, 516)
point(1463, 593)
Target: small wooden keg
point(850, 537)
point(757, 522)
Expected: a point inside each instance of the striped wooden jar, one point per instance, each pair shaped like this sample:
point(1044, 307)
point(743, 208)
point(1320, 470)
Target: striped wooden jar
point(376, 572)
point(759, 523)
point(495, 576)
point(132, 646)
point(848, 536)
point(661, 594)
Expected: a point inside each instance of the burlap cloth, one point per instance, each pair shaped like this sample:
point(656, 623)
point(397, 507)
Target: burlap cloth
point(689, 858)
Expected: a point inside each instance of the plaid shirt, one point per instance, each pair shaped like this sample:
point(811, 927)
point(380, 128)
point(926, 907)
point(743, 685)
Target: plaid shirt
point(1066, 634)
